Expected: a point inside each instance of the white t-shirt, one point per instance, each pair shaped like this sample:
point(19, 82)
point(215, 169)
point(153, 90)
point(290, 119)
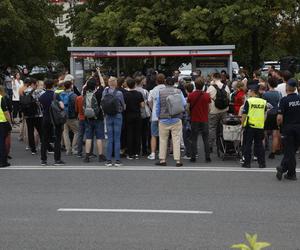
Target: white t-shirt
point(15, 87)
point(153, 96)
point(281, 88)
point(213, 92)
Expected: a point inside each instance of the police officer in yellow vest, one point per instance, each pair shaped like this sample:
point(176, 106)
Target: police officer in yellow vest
point(253, 120)
point(4, 128)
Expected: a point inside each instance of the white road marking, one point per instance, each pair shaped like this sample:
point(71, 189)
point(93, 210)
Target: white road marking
point(94, 210)
point(146, 168)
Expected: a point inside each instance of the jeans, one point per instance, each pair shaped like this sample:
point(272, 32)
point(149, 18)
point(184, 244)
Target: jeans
point(114, 127)
point(34, 122)
point(81, 133)
point(203, 128)
point(256, 135)
point(186, 134)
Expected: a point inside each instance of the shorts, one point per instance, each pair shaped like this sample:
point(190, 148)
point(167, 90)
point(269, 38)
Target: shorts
point(154, 129)
point(271, 122)
point(94, 127)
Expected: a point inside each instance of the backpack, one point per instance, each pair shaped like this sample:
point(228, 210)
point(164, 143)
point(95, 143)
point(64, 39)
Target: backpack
point(68, 98)
point(110, 103)
point(28, 104)
point(145, 111)
point(90, 106)
point(174, 104)
point(222, 100)
point(57, 114)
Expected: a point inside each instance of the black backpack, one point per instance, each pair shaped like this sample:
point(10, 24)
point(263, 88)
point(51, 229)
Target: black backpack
point(57, 114)
point(222, 100)
point(28, 104)
point(110, 103)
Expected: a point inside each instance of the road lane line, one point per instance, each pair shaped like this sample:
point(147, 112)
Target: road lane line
point(146, 168)
point(94, 210)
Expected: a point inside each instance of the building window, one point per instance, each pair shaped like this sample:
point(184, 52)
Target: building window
point(61, 19)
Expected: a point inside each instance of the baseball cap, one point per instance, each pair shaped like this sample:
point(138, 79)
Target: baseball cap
point(292, 83)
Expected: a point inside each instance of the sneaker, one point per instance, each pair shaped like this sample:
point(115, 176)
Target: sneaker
point(86, 159)
point(290, 177)
point(4, 165)
point(79, 155)
point(129, 157)
point(27, 148)
point(151, 156)
point(44, 163)
point(179, 164)
point(279, 173)
point(186, 157)
point(161, 163)
point(193, 160)
point(101, 158)
point(272, 156)
point(33, 152)
point(244, 165)
point(242, 160)
point(136, 157)
point(254, 158)
point(108, 164)
point(59, 163)
point(93, 156)
point(207, 160)
point(50, 152)
point(118, 164)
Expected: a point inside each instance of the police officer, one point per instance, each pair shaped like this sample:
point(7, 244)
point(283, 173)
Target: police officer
point(289, 119)
point(253, 119)
point(5, 128)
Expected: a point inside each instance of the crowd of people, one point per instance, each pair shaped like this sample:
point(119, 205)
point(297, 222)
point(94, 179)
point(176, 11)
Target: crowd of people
point(152, 116)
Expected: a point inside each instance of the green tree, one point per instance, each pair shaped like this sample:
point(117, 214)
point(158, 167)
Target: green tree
point(27, 31)
point(260, 29)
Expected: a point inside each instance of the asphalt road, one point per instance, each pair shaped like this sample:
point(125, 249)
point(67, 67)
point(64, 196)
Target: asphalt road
point(239, 201)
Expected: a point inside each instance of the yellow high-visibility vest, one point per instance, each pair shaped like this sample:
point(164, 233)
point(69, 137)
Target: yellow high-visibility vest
point(58, 91)
point(2, 115)
point(256, 113)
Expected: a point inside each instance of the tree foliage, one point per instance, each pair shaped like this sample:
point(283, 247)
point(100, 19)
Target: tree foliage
point(27, 31)
point(261, 29)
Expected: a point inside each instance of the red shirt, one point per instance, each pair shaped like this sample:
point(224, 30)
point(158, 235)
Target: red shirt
point(239, 100)
point(79, 108)
point(199, 106)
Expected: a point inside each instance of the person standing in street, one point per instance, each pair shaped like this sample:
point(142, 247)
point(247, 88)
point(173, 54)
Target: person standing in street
point(113, 105)
point(152, 100)
point(253, 120)
point(219, 94)
point(289, 119)
point(5, 128)
point(68, 97)
point(16, 84)
point(93, 115)
point(134, 102)
point(169, 108)
point(48, 127)
point(198, 102)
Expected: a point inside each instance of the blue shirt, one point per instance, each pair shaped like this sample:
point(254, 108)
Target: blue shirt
point(168, 121)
